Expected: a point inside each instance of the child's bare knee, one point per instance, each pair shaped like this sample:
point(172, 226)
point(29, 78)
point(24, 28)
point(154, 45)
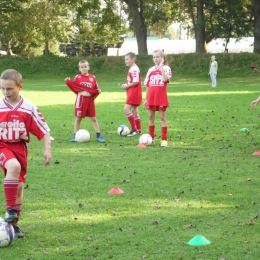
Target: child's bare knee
point(13, 168)
point(93, 119)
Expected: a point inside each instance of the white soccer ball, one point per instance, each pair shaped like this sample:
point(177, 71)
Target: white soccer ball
point(145, 139)
point(123, 130)
point(6, 234)
point(82, 136)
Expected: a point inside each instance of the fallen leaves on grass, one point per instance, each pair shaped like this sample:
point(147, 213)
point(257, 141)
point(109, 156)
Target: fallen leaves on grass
point(188, 226)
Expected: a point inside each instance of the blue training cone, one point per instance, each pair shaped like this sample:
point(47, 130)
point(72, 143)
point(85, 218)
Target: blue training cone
point(199, 241)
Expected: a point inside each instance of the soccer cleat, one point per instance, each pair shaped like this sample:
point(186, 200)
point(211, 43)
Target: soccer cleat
point(132, 133)
point(139, 132)
point(17, 232)
point(101, 139)
point(73, 139)
point(11, 216)
point(164, 143)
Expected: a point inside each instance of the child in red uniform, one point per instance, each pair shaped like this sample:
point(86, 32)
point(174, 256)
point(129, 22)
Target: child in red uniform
point(18, 118)
point(133, 89)
point(86, 88)
point(156, 81)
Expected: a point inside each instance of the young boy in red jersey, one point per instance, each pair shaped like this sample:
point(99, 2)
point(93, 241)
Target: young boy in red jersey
point(86, 88)
point(156, 81)
point(133, 89)
point(18, 118)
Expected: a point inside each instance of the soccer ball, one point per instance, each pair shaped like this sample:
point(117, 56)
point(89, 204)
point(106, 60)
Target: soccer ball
point(82, 136)
point(145, 139)
point(123, 130)
point(6, 234)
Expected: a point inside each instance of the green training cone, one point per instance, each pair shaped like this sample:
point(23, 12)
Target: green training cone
point(243, 130)
point(199, 241)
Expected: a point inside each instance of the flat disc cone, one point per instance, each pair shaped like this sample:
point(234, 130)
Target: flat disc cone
point(116, 190)
point(256, 153)
point(243, 129)
point(141, 146)
point(199, 241)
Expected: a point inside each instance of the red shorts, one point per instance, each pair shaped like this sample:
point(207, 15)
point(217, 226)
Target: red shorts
point(85, 106)
point(18, 151)
point(156, 108)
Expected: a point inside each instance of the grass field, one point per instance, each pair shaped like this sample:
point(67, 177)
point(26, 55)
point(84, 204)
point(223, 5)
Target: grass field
point(205, 182)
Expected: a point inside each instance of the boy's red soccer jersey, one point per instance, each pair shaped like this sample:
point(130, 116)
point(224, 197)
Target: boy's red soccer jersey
point(17, 122)
point(84, 106)
point(134, 94)
point(157, 88)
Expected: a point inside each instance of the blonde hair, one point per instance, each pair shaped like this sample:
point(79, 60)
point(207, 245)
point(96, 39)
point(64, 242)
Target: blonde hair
point(82, 61)
point(14, 75)
point(161, 52)
point(131, 55)
point(211, 58)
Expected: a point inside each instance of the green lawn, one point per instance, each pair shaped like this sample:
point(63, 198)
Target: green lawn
point(206, 182)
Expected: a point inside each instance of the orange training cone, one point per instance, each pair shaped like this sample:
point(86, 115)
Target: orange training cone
point(256, 153)
point(141, 146)
point(116, 190)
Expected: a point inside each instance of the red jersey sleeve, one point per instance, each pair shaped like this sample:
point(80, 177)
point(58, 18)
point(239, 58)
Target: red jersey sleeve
point(84, 83)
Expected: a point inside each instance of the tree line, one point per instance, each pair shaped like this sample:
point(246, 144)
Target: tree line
point(30, 25)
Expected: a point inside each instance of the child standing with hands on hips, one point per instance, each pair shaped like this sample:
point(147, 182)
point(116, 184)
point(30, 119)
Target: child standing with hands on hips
point(133, 89)
point(18, 118)
point(156, 82)
point(86, 88)
point(213, 71)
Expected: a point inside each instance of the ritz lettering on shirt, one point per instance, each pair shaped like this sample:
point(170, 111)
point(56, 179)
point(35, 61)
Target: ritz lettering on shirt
point(16, 123)
point(156, 80)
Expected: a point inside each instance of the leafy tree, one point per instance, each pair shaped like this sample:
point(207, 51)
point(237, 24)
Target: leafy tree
point(137, 13)
point(193, 10)
point(96, 22)
point(213, 19)
point(229, 19)
point(34, 24)
point(7, 9)
point(256, 12)
point(153, 15)
point(50, 22)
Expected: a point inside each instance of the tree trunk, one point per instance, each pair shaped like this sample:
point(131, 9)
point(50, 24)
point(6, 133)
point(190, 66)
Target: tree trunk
point(139, 24)
point(256, 8)
point(47, 48)
point(9, 48)
point(200, 28)
point(192, 17)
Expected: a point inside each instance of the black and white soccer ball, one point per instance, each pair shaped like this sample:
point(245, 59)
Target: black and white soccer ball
point(6, 234)
point(123, 130)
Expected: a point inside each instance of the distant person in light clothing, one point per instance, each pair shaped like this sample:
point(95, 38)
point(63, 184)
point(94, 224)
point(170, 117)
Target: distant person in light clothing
point(213, 71)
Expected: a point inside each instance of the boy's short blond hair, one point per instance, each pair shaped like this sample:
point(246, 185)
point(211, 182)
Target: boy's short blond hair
point(83, 61)
point(14, 75)
point(131, 55)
